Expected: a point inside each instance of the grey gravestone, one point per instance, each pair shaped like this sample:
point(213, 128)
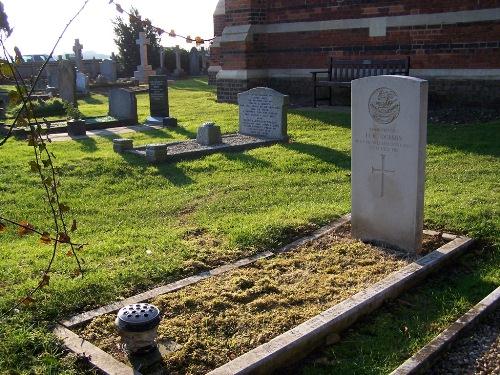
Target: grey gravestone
point(263, 113)
point(158, 102)
point(52, 75)
point(123, 104)
point(67, 81)
point(108, 70)
point(82, 83)
point(209, 134)
point(389, 131)
point(77, 49)
point(178, 72)
point(194, 62)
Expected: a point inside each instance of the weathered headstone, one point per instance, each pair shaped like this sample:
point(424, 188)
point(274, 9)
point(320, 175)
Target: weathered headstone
point(389, 131)
point(77, 49)
point(82, 83)
point(158, 102)
point(67, 81)
point(108, 70)
point(121, 145)
point(52, 75)
point(204, 60)
point(144, 70)
point(123, 104)
point(194, 62)
point(263, 113)
point(178, 72)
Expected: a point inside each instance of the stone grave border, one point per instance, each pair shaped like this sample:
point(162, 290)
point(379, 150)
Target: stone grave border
point(293, 344)
point(22, 133)
point(205, 150)
point(425, 357)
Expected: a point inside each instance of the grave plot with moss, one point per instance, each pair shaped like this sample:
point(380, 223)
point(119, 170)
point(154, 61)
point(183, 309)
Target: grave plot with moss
point(221, 318)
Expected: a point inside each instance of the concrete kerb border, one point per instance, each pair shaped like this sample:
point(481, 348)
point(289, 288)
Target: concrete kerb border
point(425, 357)
point(293, 344)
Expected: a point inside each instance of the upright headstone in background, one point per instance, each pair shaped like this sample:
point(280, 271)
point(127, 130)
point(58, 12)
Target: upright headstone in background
point(158, 102)
point(144, 70)
point(82, 83)
point(52, 75)
point(123, 104)
point(194, 62)
point(263, 113)
point(77, 49)
point(178, 72)
point(389, 137)
point(108, 70)
point(204, 60)
point(67, 81)
point(162, 60)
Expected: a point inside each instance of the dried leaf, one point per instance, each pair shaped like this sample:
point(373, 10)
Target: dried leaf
point(45, 238)
point(76, 273)
point(3, 227)
point(25, 228)
point(69, 253)
point(64, 238)
point(73, 225)
point(27, 301)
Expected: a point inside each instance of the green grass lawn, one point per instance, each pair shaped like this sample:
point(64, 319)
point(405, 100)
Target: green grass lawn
point(139, 220)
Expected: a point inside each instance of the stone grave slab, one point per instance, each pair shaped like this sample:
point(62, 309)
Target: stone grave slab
point(389, 137)
point(263, 113)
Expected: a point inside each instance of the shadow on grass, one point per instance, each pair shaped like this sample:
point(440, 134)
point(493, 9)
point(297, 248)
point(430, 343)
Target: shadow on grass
point(183, 131)
point(480, 139)
point(87, 144)
point(246, 159)
point(328, 155)
point(170, 171)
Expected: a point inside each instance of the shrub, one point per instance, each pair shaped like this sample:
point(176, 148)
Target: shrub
point(51, 107)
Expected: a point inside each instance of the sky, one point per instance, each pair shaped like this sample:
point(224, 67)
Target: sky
point(38, 23)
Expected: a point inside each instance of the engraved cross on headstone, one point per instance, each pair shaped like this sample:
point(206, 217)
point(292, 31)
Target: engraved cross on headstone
point(383, 172)
point(143, 43)
point(77, 49)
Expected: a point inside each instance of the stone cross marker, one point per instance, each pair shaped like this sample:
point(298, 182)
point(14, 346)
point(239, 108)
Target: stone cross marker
point(263, 113)
point(77, 49)
point(144, 70)
point(389, 138)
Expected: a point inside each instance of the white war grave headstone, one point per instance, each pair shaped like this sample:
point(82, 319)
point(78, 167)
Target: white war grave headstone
point(263, 113)
point(389, 138)
point(144, 70)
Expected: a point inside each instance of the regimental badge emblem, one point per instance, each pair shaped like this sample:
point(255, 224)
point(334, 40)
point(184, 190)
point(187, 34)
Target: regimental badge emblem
point(384, 105)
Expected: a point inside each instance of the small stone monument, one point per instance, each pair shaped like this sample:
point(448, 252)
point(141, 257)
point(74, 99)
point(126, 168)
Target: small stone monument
point(178, 72)
point(209, 134)
point(263, 113)
point(158, 102)
point(162, 61)
point(144, 70)
point(204, 60)
point(194, 62)
point(123, 105)
point(67, 81)
point(108, 70)
point(156, 153)
point(120, 145)
point(389, 137)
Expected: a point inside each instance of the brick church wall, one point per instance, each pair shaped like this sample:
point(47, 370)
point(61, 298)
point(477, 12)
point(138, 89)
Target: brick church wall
point(278, 42)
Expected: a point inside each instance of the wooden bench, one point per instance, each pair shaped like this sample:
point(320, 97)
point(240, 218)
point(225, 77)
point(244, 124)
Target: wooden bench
point(342, 72)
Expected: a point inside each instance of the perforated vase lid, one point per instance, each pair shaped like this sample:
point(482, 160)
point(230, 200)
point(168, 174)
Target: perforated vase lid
point(139, 317)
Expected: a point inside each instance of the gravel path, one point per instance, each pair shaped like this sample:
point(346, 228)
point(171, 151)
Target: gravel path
point(478, 353)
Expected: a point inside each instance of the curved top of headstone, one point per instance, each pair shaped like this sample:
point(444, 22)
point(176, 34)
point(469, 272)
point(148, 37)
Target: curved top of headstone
point(264, 91)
